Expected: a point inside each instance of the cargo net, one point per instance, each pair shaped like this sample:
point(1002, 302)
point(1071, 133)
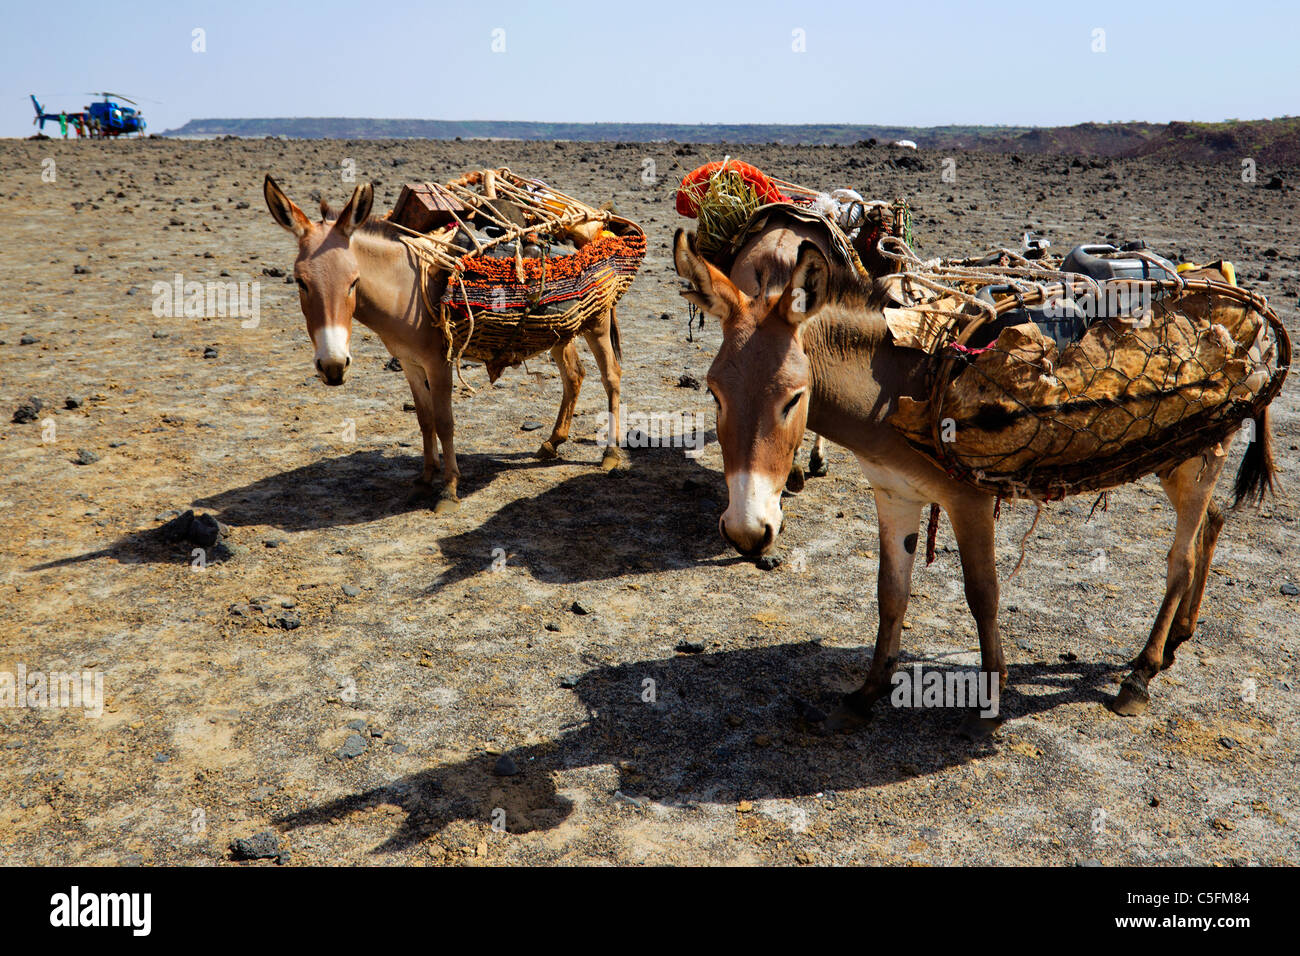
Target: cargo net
point(525, 266)
point(1048, 383)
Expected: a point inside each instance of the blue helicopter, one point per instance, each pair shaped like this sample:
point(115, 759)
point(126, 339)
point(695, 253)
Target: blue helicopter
point(108, 117)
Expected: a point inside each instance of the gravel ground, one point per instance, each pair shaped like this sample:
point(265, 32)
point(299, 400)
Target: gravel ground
point(572, 668)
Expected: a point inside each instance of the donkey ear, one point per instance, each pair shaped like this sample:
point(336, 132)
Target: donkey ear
point(710, 290)
point(805, 295)
point(284, 210)
point(357, 210)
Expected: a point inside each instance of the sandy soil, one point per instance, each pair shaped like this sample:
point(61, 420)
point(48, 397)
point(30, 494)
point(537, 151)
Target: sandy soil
point(468, 685)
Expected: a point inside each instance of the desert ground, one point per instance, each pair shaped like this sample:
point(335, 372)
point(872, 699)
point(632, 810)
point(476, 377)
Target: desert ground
point(348, 678)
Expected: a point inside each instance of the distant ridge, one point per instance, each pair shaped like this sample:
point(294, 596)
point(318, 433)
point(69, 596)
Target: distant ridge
point(1275, 141)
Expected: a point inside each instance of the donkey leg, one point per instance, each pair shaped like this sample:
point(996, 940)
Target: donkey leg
point(423, 399)
point(600, 340)
point(1189, 486)
point(1189, 609)
point(899, 521)
point(817, 458)
point(444, 423)
point(567, 361)
point(972, 524)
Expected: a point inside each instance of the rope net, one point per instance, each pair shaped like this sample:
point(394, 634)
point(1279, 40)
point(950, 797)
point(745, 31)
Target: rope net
point(1049, 383)
point(525, 266)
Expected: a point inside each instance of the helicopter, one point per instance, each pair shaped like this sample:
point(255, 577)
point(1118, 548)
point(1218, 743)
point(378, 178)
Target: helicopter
point(100, 119)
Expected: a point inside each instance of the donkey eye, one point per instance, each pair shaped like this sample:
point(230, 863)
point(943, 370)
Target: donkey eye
point(353, 287)
point(790, 405)
point(301, 285)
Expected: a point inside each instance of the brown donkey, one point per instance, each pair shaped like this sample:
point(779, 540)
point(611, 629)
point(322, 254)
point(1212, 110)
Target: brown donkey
point(351, 266)
point(820, 356)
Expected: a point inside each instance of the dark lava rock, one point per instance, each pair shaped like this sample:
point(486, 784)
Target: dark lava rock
point(73, 401)
point(28, 339)
point(768, 563)
point(689, 647)
point(204, 531)
point(85, 457)
point(354, 746)
point(394, 364)
point(505, 766)
point(80, 271)
point(28, 411)
point(577, 607)
point(688, 381)
point(263, 846)
point(273, 272)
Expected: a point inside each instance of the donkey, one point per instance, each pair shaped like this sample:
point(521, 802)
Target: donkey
point(352, 266)
point(819, 355)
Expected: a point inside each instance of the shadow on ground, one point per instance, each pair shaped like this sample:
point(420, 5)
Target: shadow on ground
point(727, 726)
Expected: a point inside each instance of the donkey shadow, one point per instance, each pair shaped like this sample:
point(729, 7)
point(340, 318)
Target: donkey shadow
point(367, 486)
point(722, 727)
point(660, 514)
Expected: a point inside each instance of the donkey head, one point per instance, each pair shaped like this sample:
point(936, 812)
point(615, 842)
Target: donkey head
point(760, 380)
point(326, 271)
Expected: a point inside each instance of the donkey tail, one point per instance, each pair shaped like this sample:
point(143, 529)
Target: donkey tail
point(1255, 477)
point(613, 333)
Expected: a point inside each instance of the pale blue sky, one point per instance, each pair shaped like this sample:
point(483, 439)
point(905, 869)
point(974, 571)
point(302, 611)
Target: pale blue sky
point(903, 62)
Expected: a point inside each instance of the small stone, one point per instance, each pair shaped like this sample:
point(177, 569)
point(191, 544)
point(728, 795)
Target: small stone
point(401, 748)
point(351, 590)
point(210, 352)
point(263, 846)
point(28, 411)
point(28, 339)
point(161, 758)
point(768, 562)
point(552, 626)
point(1227, 743)
point(80, 271)
point(354, 746)
point(577, 607)
point(530, 426)
point(689, 647)
point(86, 457)
point(394, 364)
point(73, 401)
point(289, 621)
point(356, 725)
point(1290, 590)
point(688, 381)
point(569, 681)
point(505, 766)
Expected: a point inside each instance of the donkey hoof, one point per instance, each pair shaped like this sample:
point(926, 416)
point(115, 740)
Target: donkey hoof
point(978, 729)
point(817, 466)
point(447, 501)
point(547, 451)
point(794, 481)
point(1132, 698)
point(853, 713)
point(611, 459)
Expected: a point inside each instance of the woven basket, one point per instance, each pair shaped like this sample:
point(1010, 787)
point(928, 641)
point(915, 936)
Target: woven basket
point(1128, 399)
